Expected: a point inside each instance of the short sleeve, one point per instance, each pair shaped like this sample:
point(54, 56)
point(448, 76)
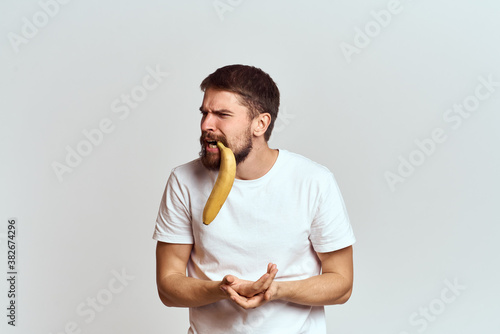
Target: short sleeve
point(331, 229)
point(173, 224)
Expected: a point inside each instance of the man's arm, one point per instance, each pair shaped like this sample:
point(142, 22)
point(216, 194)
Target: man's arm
point(333, 286)
point(176, 289)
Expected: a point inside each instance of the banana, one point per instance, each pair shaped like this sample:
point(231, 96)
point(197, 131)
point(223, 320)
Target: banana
point(222, 186)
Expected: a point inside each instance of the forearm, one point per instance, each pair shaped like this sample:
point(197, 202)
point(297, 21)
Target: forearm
point(324, 289)
point(180, 291)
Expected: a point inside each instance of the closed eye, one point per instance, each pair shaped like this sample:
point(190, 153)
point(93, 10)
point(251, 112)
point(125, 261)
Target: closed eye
point(221, 114)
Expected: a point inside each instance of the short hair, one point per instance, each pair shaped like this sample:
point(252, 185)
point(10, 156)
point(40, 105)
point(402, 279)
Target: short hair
point(256, 88)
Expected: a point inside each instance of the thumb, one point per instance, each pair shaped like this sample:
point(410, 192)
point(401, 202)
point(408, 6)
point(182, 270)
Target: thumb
point(228, 279)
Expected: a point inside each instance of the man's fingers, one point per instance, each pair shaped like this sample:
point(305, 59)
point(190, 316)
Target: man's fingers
point(265, 280)
point(244, 302)
point(265, 284)
point(240, 300)
point(260, 284)
point(228, 279)
point(249, 289)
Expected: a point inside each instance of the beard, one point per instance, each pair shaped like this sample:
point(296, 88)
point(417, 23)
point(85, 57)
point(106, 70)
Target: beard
point(211, 161)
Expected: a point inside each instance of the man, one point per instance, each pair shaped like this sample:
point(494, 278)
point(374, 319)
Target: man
point(281, 246)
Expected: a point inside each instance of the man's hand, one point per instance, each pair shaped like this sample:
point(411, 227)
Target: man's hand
point(248, 294)
point(332, 286)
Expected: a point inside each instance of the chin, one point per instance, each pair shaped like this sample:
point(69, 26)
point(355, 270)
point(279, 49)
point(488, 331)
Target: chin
point(210, 163)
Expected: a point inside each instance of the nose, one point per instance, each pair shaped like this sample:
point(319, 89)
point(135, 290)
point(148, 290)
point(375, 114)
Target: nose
point(208, 122)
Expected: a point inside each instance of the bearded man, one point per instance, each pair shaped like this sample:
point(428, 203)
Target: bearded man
point(280, 248)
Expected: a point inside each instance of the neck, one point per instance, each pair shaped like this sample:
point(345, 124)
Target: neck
point(260, 160)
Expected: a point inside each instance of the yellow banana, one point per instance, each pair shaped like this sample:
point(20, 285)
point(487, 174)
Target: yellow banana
point(222, 186)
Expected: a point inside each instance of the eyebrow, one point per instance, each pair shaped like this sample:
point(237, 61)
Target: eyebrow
point(218, 111)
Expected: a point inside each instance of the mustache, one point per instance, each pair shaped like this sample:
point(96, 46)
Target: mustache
point(206, 136)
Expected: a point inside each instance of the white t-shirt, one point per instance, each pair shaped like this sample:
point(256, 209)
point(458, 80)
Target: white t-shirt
point(284, 217)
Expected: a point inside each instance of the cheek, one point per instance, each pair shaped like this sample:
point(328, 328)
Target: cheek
point(237, 132)
point(243, 136)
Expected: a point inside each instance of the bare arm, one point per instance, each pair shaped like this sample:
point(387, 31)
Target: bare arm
point(333, 286)
point(174, 287)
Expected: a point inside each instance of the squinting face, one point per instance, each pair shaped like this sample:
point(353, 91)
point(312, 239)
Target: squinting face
point(226, 120)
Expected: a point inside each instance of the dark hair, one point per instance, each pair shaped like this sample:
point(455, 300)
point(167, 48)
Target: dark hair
point(256, 88)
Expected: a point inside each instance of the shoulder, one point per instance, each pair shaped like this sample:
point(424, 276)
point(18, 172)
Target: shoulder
point(190, 172)
point(302, 165)
point(192, 166)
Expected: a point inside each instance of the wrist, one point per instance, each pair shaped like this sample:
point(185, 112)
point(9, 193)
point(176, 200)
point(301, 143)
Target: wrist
point(221, 290)
point(218, 291)
point(280, 290)
point(284, 290)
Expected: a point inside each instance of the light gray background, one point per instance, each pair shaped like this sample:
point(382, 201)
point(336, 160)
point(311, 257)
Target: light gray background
point(356, 115)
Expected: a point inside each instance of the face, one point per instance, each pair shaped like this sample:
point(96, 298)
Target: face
point(224, 119)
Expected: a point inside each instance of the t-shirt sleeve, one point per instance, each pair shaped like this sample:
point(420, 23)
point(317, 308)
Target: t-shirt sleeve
point(331, 229)
point(173, 224)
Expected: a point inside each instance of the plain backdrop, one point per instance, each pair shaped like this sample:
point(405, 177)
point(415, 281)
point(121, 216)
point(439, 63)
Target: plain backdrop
point(392, 96)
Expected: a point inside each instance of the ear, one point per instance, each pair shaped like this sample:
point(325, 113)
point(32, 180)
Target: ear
point(261, 123)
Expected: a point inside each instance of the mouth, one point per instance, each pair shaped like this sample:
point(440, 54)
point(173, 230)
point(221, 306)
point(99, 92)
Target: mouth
point(212, 143)
point(211, 146)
